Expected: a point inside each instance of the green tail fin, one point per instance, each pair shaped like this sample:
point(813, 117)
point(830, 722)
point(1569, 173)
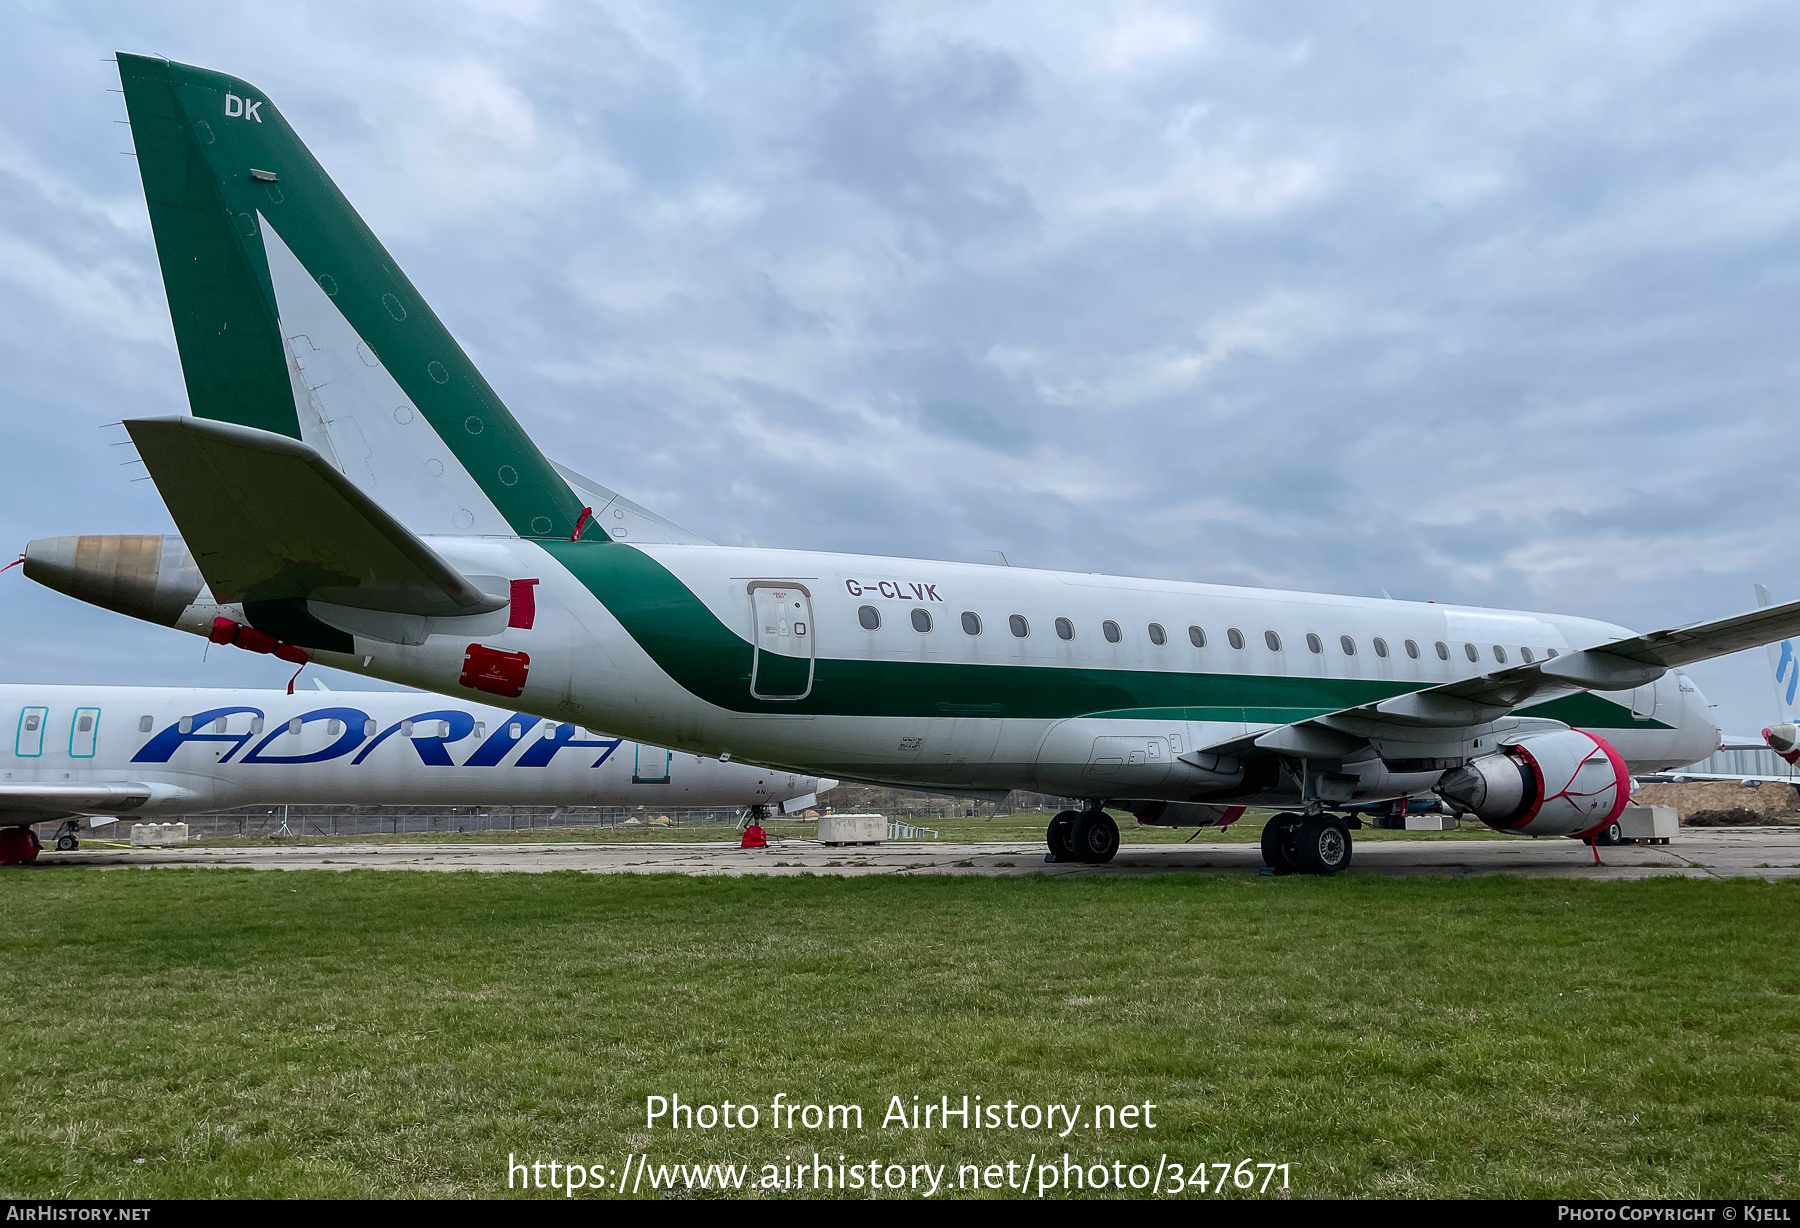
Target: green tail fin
point(221, 170)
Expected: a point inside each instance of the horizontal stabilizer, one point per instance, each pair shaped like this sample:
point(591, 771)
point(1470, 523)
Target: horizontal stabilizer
point(269, 521)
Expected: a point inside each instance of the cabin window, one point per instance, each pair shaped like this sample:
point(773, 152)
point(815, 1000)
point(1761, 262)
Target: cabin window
point(1110, 630)
point(294, 725)
point(1272, 640)
point(1525, 656)
point(1380, 646)
point(1470, 652)
point(1348, 645)
point(1314, 643)
point(1158, 636)
point(1196, 637)
point(971, 622)
point(1412, 649)
point(85, 725)
point(370, 726)
point(1499, 654)
point(406, 729)
point(1443, 651)
point(1548, 653)
point(1018, 626)
point(1065, 630)
point(1234, 637)
point(146, 724)
point(334, 727)
point(921, 621)
point(869, 617)
point(480, 728)
point(185, 725)
point(219, 725)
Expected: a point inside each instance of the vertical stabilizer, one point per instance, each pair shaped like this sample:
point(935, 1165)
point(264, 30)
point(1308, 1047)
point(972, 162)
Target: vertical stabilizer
point(1784, 662)
point(291, 317)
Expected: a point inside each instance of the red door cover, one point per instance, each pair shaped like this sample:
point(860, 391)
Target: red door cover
point(499, 673)
point(524, 604)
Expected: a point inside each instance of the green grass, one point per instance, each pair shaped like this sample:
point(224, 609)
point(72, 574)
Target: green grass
point(363, 1033)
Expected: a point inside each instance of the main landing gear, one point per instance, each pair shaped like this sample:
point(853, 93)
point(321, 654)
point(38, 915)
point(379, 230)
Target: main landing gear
point(1087, 835)
point(19, 846)
point(1306, 844)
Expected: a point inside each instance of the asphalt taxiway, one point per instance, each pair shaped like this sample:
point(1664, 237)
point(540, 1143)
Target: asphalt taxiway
point(1768, 853)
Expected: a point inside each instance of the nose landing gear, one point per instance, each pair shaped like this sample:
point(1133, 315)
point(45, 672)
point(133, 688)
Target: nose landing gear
point(1088, 835)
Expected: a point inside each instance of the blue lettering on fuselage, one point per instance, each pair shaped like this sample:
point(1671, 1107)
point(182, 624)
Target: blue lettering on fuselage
point(541, 751)
point(166, 743)
point(499, 743)
point(431, 749)
point(356, 723)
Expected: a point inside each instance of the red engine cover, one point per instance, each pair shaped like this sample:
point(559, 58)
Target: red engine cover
point(496, 672)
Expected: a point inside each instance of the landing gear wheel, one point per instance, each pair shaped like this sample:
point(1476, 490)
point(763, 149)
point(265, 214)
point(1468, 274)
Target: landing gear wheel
point(1610, 835)
point(1095, 838)
point(18, 846)
point(1057, 836)
point(1278, 842)
point(1323, 846)
point(66, 843)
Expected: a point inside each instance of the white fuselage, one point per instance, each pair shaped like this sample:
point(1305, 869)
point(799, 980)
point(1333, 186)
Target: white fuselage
point(1035, 711)
point(213, 749)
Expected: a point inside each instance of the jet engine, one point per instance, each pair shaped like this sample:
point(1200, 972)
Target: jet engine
point(1784, 740)
point(1563, 783)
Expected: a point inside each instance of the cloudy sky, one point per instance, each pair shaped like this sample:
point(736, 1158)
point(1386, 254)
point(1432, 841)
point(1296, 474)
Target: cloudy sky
point(1489, 304)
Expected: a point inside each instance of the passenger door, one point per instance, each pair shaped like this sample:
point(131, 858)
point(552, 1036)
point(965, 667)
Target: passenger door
point(30, 742)
point(84, 733)
point(781, 666)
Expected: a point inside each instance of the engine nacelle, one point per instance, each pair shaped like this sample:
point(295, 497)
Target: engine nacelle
point(1562, 783)
point(1784, 740)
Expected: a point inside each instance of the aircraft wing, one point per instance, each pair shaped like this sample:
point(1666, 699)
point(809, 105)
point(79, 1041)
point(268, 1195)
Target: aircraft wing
point(268, 520)
point(1436, 714)
point(35, 802)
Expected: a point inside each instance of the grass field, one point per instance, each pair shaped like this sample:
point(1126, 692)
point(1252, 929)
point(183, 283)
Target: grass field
point(195, 1033)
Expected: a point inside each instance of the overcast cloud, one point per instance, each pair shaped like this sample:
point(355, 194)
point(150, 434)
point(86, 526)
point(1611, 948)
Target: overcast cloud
point(1481, 304)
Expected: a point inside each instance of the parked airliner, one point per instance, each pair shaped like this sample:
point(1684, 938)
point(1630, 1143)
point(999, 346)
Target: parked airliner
point(152, 752)
point(350, 489)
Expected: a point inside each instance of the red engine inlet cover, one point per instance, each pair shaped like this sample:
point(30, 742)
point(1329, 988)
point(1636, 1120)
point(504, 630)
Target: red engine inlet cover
point(1582, 784)
point(496, 672)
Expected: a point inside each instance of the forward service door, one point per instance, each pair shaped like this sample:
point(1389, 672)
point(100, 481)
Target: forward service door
point(781, 667)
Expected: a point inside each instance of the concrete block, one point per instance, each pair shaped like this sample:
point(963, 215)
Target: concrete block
point(852, 828)
point(1430, 822)
point(1648, 822)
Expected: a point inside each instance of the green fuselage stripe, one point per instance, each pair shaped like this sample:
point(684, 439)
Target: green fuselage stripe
point(711, 661)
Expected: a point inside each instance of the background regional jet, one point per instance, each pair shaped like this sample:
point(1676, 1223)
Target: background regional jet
point(350, 488)
point(148, 752)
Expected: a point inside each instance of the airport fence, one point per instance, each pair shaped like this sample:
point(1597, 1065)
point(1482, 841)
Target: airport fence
point(277, 821)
